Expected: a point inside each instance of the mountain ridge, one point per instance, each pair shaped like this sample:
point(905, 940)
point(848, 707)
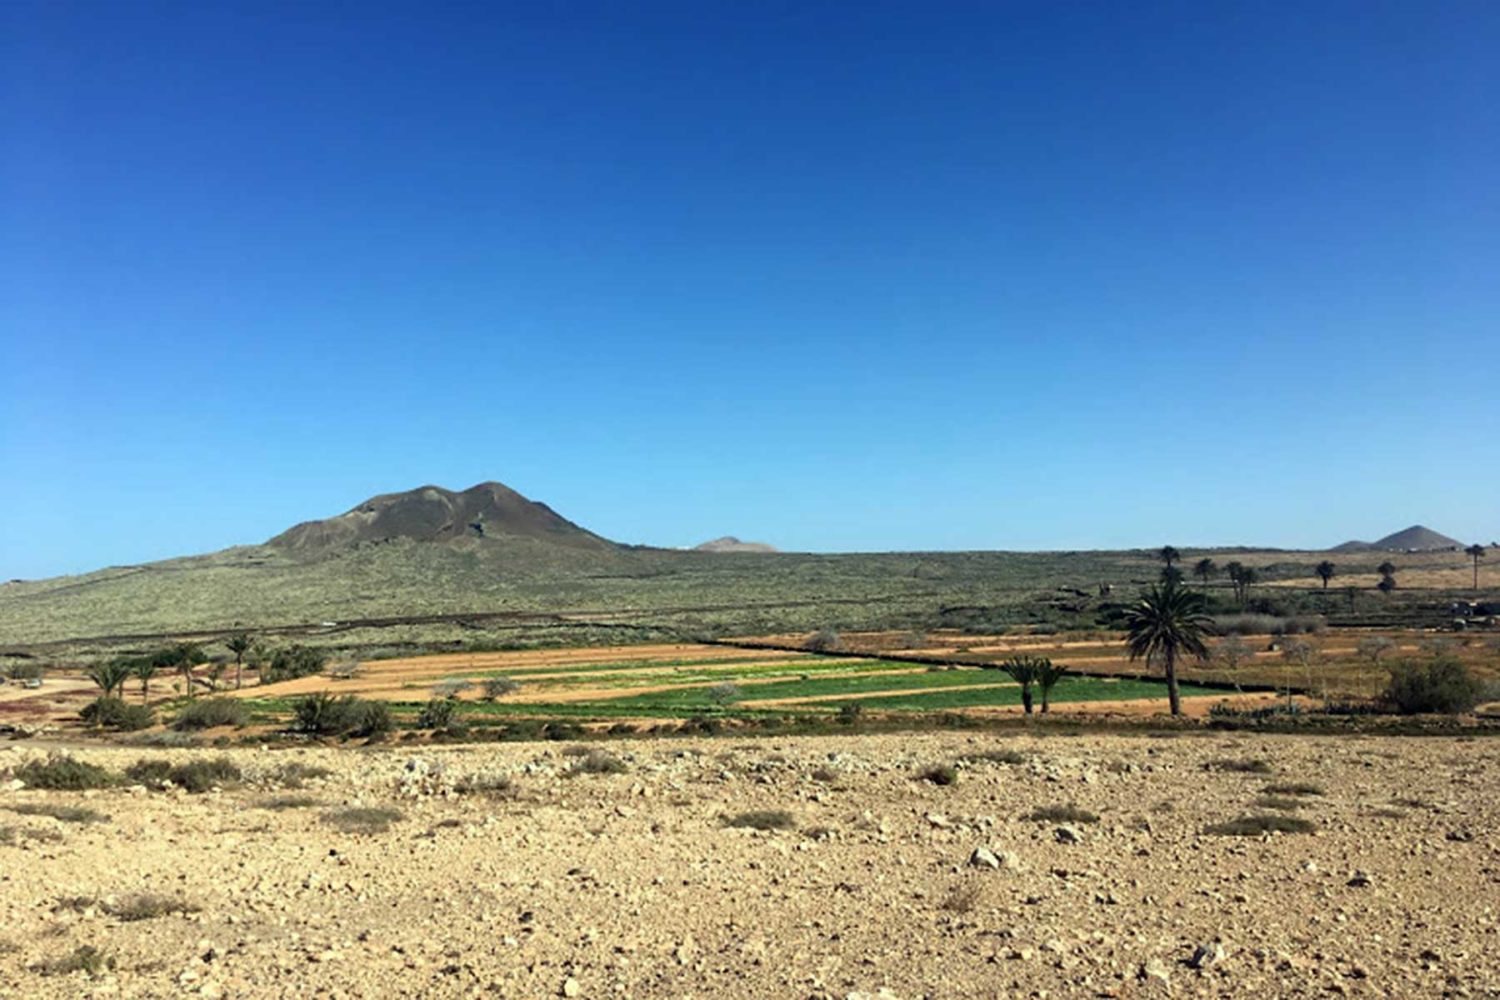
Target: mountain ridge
point(1416, 538)
point(485, 511)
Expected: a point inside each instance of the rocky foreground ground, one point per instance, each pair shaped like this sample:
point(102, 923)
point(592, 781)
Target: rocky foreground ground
point(517, 871)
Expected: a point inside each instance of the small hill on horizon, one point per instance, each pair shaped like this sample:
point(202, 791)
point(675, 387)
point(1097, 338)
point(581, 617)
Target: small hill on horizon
point(1414, 539)
point(432, 514)
point(731, 544)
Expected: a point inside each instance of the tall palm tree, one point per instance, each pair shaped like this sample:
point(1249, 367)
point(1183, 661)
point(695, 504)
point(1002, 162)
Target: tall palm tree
point(144, 668)
point(1475, 552)
point(1168, 623)
point(1204, 570)
point(239, 644)
point(1169, 555)
point(1324, 572)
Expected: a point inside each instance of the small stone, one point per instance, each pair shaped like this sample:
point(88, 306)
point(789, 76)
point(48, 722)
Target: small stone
point(1208, 955)
point(1153, 971)
point(1359, 881)
point(570, 987)
point(1067, 835)
point(938, 820)
point(983, 857)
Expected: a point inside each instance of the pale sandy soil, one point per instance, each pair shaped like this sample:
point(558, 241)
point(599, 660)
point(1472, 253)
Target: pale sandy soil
point(630, 885)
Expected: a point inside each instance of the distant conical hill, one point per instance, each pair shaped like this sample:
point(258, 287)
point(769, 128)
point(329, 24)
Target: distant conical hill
point(731, 544)
point(1413, 539)
point(433, 514)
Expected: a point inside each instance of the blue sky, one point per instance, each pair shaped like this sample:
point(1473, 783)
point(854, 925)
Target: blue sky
point(836, 276)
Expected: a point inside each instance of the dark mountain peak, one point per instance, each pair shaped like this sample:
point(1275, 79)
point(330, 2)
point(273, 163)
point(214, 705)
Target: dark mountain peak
point(1414, 539)
point(430, 513)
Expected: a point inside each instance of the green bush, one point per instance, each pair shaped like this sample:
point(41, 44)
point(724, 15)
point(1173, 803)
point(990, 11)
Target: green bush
point(1255, 826)
point(939, 774)
point(152, 773)
point(113, 713)
point(62, 773)
point(292, 662)
point(1062, 814)
point(25, 671)
point(86, 958)
point(762, 819)
point(210, 713)
point(1443, 685)
point(440, 714)
point(323, 714)
point(369, 819)
point(371, 719)
point(599, 762)
point(498, 687)
point(195, 776)
point(63, 814)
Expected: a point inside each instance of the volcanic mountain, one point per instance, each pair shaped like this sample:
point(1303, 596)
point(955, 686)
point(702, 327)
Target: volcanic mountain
point(1413, 539)
point(433, 514)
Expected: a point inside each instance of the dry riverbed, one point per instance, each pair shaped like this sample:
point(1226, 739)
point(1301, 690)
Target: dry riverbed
point(527, 870)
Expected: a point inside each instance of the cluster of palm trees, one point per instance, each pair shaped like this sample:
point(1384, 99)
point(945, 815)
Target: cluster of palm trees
point(1034, 670)
point(182, 657)
point(1241, 577)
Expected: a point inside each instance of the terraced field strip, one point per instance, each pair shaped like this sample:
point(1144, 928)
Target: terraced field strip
point(893, 679)
point(1068, 690)
point(399, 678)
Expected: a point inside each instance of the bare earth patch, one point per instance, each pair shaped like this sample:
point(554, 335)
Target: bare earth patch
point(733, 868)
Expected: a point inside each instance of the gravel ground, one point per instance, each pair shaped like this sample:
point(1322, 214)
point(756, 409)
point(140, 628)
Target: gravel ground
point(631, 884)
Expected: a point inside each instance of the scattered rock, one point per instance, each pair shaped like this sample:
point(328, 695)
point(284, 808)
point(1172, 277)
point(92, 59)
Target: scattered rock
point(983, 857)
point(1206, 956)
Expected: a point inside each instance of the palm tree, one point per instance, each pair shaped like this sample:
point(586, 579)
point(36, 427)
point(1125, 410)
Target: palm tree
point(182, 657)
point(1236, 573)
point(1025, 671)
point(1475, 552)
point(1204, 570)
point(1169, 555)
point(110, 675)
point(1248, 578)
point(1324, 572)
point(1047, 676)
point(1168, 623)
point(1171, 574)
point(143, 668)
point(239, 644)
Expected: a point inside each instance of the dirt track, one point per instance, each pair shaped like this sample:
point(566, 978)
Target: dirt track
point(630, 884)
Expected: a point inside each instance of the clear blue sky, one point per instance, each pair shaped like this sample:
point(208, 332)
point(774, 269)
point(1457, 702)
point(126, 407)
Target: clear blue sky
point(835, 276)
